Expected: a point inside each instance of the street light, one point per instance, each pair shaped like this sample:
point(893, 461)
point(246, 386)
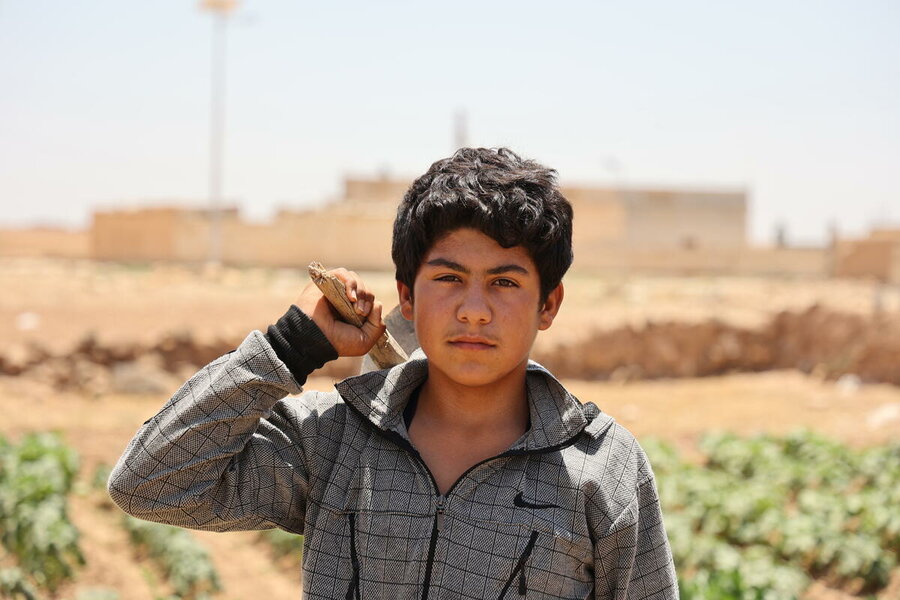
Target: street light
point(220, 10)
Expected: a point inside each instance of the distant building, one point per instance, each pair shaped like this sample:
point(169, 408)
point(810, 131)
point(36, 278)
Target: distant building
point(672, 231)
point(45, 242)
point(658, 219)
point(876, 256)
point(624, 218)
point(166, 233)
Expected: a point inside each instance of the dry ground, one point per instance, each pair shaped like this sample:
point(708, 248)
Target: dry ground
point(57, 302)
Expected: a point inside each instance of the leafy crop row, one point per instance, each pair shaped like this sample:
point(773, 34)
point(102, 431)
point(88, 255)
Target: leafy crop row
point(766, 515)
point(14, 584)
point(36, 477)
point(184, 562)
point(283, 543)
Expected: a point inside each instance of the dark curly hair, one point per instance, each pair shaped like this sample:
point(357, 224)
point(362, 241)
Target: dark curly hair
point(514, 201)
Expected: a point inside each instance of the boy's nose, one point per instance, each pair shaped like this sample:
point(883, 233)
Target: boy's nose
point(473, 307)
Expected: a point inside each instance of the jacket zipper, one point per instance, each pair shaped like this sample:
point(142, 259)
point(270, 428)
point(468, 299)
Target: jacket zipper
point(353, 590)
point(520, 568)
point(438, 524)
point(435, 530)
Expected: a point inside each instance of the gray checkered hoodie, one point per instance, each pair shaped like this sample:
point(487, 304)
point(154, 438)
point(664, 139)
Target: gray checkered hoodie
point(569, 511)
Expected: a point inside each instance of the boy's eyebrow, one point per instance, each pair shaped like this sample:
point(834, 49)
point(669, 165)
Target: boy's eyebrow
point(507, 268)
point(443, 262)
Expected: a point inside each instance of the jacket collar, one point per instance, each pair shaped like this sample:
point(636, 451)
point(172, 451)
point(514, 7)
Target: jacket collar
point(556, 415)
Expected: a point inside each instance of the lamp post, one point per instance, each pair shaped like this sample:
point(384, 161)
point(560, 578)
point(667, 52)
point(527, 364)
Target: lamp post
point(220, 10)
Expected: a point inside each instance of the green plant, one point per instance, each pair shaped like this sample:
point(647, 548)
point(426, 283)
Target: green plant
point(97, 594)
point(184, 562)
point(13, 584)
point(36, 477)
point(767, 514)
point(100, 476)
point(283, 543)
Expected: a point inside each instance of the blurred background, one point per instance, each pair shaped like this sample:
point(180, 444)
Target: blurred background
point(168, 170)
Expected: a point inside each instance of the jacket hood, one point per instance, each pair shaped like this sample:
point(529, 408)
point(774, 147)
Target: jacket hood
point(556, 415)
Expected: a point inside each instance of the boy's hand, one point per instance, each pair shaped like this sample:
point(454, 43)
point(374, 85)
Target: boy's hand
point(348, 340)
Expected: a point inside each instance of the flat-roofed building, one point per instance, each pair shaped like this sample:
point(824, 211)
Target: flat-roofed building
point(632, 229)
point(876, 256)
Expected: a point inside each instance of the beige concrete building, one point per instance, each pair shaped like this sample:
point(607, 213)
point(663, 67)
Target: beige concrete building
point(639, 218)
point(349, 233)
point(356, 230)
point(876, 256)
point(672, 231)
point(165, 233)
point(49, 242)
point(647, 218)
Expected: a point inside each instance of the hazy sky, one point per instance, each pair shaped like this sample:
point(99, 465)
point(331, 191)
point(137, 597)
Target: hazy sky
point(105, 101)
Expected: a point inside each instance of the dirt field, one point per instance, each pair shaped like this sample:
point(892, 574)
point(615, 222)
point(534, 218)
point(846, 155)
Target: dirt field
point(57, 303)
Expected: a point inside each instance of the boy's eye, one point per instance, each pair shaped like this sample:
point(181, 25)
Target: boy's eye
point(506, 283)
point(446, 278)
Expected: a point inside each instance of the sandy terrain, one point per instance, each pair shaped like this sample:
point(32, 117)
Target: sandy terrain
point(58, 302)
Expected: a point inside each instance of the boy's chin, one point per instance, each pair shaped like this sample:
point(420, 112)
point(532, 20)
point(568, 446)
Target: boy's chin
point(474, 376)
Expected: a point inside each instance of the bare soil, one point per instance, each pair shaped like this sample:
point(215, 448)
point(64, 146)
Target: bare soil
point(57, 302)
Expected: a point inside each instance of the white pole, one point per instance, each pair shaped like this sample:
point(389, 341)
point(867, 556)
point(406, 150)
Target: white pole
point(220, 10)
point(217, 135)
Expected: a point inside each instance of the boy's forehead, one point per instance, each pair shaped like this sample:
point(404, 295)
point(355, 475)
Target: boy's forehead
point(474, 250)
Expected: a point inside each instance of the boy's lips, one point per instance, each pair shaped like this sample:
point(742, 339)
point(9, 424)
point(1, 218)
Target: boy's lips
point(472, 342)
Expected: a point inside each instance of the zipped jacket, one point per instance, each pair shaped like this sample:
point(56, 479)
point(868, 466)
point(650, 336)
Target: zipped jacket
point(569, 511)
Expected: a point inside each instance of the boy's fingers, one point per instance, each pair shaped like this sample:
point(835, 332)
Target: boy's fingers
point(351, 283)
point(366, 298)
point(374, 325)
point(357, 291)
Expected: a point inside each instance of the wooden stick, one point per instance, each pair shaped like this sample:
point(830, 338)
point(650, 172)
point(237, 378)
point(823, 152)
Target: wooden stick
point(386, 352)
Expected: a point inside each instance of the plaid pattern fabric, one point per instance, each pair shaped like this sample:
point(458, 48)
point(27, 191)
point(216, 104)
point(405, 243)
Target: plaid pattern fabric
point(569, 511)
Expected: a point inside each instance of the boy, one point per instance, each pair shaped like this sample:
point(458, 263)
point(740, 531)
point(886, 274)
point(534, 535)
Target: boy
point(466, 472)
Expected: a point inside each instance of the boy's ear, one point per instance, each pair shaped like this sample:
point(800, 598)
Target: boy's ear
point(406, 303)
point(551, 307)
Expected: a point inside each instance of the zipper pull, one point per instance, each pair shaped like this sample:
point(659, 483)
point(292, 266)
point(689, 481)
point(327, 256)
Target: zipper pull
point(439, 518)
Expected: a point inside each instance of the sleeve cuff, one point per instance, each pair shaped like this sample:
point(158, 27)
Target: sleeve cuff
point(300, 344)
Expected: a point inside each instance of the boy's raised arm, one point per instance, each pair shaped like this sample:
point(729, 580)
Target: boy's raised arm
point(224, 453)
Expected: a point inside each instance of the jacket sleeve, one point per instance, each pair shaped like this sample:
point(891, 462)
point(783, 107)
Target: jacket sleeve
point(634, 561)
point(223, 453)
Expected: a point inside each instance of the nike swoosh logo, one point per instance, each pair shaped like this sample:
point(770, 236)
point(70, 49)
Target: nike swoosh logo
point(523, 503)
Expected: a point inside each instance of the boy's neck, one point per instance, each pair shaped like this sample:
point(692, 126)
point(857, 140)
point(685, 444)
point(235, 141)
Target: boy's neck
point(501, 406)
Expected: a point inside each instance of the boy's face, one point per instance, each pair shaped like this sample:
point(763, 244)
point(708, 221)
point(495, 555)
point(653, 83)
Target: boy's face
point(475, 306)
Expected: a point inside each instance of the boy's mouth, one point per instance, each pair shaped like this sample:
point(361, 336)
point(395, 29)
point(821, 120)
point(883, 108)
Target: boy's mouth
point(472, 342)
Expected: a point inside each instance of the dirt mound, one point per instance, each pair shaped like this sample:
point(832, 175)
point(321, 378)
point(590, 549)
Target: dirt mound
point(828, 343)
point(817, 340)
point(158, 366)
